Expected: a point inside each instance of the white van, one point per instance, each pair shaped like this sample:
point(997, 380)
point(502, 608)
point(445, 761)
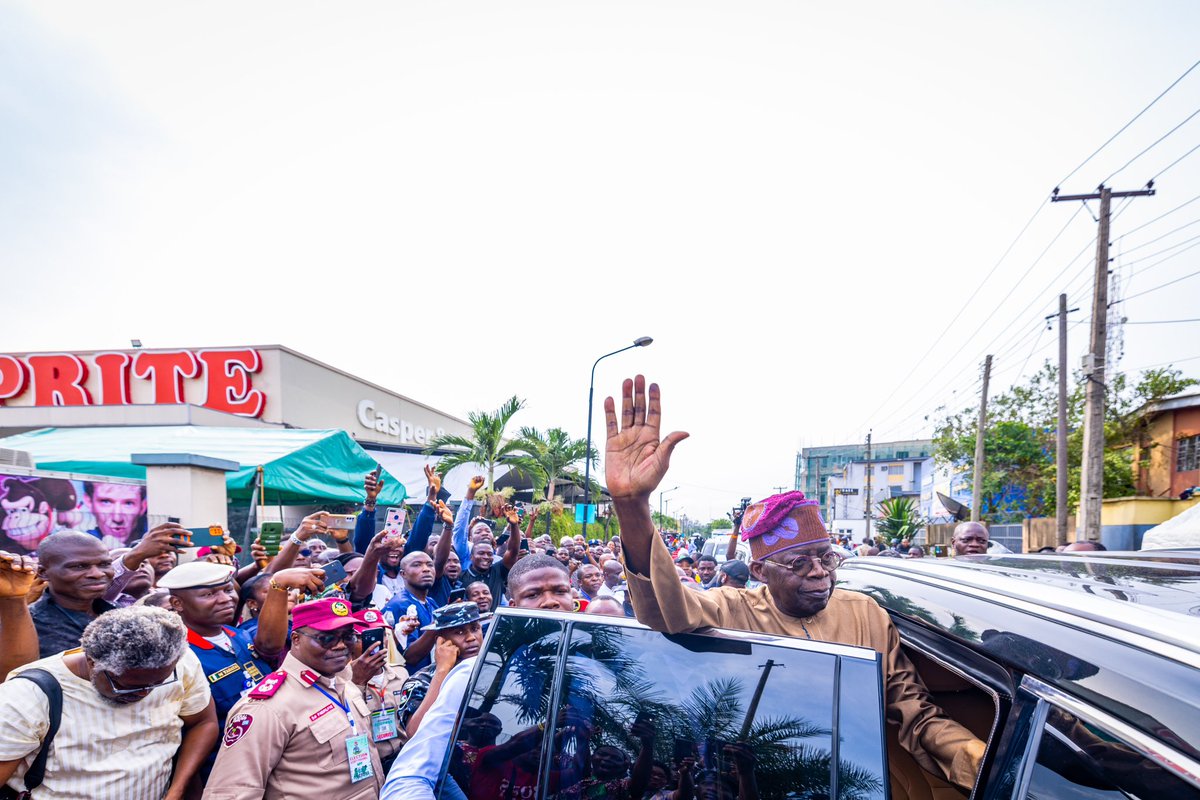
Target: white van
point(717, 545)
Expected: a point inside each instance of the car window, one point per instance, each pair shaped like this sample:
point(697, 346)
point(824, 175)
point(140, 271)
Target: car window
point(1079, 761)
point(500, 737)
point(641, 714)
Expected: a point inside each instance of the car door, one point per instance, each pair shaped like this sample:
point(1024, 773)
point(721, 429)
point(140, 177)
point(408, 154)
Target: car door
point(592, 708)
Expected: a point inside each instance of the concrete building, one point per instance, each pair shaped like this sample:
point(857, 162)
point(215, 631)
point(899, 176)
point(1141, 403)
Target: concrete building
point(815, 464)
point(851, 499)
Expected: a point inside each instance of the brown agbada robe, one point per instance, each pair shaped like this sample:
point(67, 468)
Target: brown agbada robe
point(936, 742)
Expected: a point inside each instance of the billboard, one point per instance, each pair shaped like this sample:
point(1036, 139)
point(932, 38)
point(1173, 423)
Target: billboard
point(33, 507)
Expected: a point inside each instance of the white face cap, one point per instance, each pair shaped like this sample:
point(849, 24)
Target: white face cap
point(196, 575)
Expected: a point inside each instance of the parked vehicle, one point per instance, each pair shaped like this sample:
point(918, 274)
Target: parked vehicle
point(1081, 672)
point(718, 545)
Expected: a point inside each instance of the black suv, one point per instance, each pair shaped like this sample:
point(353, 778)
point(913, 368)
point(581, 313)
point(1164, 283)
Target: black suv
point(1081, 672)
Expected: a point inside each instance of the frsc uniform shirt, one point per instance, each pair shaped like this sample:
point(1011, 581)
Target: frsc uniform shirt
point(102, 750)
point(294, 736)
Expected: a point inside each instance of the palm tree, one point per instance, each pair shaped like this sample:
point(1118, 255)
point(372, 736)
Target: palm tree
point(556, 455)
point(898, 518)
point(486, 445)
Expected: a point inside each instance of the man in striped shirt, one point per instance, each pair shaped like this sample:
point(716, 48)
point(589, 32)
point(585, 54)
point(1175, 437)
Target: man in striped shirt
point(134, 703)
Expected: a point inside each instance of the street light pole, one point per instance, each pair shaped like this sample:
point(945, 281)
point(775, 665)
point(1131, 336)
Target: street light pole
point(643, 341)
point(662, 516)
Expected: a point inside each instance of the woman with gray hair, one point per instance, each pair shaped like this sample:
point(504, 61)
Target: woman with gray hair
point(134, 700)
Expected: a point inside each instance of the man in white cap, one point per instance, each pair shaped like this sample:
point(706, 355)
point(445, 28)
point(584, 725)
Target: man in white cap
point(205, 597)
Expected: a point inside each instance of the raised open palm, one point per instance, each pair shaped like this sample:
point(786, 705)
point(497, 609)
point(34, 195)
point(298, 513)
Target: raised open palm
point(635, 459)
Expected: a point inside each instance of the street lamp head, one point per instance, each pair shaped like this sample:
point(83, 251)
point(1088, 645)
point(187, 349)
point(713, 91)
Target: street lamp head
point(642, 341)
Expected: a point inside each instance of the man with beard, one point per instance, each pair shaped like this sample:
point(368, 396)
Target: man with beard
point(118, 509)
point(305, 730)
point(205, 597)
point(414, 600)
point(137, 716)
point(536, 581)
point(793, 558)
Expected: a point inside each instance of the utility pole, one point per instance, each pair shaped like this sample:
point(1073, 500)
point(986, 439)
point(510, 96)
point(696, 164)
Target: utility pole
point(1091, 482)
point(1061, 466)
point(977, 480)
point(867, 499)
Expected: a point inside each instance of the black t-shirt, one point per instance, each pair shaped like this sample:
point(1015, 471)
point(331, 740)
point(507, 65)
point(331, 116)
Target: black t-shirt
point(59, 628)
point(496, 579)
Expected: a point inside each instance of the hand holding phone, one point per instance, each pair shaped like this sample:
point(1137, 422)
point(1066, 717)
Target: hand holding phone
point(270, 536)
point(334, 573)
point(372, 637)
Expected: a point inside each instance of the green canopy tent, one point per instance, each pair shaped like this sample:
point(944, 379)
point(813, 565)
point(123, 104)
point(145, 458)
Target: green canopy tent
point(300, 467)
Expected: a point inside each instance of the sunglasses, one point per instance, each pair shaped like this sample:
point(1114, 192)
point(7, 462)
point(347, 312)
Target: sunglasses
point(121, 691)
point(328, 640)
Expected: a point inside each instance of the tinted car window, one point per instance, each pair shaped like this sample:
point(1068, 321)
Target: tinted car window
point(1079, 761)
point(642, 714)
point(500, 737)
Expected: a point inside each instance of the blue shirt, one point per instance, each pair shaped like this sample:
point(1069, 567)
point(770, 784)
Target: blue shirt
point(398, 607)
point(230, 674)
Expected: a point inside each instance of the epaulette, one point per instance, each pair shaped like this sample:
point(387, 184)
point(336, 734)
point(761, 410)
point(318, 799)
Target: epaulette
point(309, 677)
point(269, 685)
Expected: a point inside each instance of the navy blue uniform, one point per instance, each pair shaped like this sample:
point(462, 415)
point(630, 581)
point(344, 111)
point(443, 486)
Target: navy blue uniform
point(230, 674)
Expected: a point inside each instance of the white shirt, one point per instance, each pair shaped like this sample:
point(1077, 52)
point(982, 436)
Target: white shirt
point(102, 750)
point(416, 770)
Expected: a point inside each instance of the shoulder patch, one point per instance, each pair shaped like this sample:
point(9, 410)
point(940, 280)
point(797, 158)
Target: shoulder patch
point(236, 728)
point(269, 685)
point(309, 677)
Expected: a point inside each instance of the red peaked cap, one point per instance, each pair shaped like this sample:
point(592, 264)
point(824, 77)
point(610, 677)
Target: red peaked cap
point(782, 522)
point(325, 615)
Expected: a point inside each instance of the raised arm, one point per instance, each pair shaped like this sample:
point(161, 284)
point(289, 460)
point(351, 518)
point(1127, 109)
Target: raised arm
point(364, 526)
point(362, 583)
point(16, 626)
point(441, 553)
point(462, 522)
point(731, 551)
point(271, 637)
point(513, 547)
point(310, 526)
point(418, 537)
point(634, 465)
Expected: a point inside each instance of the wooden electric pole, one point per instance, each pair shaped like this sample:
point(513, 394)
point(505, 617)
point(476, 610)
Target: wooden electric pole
point(1091, 481)
point(977, 480)
point(1061, 465)
point(867, 499)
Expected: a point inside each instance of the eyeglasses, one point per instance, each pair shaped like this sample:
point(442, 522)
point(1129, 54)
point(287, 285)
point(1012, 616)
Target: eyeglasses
point(121, 691)
point(804, 564)
point(328, 640)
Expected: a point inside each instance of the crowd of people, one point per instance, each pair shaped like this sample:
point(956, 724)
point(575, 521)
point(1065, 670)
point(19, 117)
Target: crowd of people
point(159, 670)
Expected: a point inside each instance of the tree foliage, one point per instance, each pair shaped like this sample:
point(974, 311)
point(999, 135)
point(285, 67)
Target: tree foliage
point(898, 518)
point(556, 455)
point(486, 445)
point(1019, 443)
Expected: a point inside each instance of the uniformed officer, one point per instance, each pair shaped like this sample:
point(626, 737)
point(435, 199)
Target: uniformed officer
point(379, 672)
point(204, 595)
point(459, 629)
point(305, 730)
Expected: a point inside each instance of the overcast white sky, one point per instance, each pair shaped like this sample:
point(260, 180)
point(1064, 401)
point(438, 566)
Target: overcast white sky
point(468, 200)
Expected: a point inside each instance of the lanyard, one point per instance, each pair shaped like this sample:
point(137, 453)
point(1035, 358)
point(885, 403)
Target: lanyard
point(343, 706)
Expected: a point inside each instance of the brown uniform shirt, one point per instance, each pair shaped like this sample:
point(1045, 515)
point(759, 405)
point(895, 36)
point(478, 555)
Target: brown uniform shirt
point(382, 693)
point(288, 740)
point(938, 744)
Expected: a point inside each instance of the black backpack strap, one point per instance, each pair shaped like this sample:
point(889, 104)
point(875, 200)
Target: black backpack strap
point(53, 691)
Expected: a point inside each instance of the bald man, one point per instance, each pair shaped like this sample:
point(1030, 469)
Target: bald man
point(970, 539)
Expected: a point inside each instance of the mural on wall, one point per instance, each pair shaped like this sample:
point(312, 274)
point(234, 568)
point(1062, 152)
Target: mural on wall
point(33, 507)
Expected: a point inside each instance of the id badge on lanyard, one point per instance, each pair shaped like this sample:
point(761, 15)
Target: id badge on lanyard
point(358, 750)
point(384, 726)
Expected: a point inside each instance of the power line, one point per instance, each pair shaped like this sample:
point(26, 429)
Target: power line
point(965, 305)
point(1127, 124)
point(1158, 238)
point(1168, 258)
point(1162, 286)
point(1162, 321)
point(1160, 252)
point(1176, 161)
point(1155, 144)
point(1156, 219)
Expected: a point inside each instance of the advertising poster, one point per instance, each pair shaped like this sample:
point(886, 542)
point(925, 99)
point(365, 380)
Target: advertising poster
point(33, 507)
